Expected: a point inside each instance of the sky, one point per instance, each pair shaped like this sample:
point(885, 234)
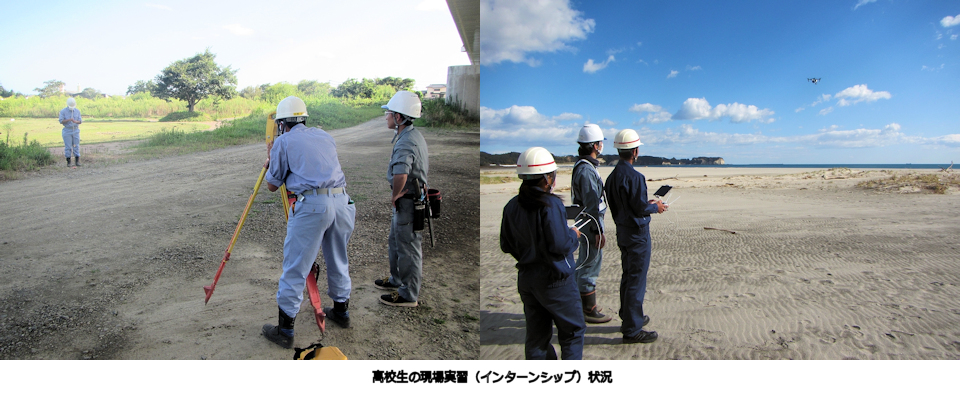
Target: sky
point(726, 79)
point(110, 45)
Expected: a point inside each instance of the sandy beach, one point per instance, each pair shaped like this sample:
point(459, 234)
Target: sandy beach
point(817, 268)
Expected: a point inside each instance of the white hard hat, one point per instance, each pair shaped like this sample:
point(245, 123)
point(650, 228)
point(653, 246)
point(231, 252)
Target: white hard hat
point(535, 161)
point(590, 133)
point(627, 139)
point(404, 102)
point(71, 102)
point(291, 107)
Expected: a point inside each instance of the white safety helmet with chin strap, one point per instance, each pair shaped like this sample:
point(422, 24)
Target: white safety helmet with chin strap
point(627, 139)
point(534, 163)
point(71, 103)
point(404, 103)
point(291, 110)
point(590, 133)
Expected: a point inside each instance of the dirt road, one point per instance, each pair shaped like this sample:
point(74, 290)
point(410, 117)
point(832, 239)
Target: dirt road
point(108, 261)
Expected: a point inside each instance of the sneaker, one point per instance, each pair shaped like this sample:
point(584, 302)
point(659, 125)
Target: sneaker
point(385, 284)
point(395, 299)
point(641, 337)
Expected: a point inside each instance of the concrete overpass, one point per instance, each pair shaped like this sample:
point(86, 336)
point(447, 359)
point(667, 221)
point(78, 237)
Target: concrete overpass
point(463, 81)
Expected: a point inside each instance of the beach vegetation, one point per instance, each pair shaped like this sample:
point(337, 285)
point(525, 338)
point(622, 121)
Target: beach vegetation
point(913, 182)
point(496, 180)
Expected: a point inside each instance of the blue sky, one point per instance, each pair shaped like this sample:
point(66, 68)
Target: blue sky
point(726, 79)
point(109, 45)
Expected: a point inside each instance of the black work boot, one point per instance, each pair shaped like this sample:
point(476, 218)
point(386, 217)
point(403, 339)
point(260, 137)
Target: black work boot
point(591, 313)
point(280, 334)
point(68, 161)
point(339, 313)
point(76, 160)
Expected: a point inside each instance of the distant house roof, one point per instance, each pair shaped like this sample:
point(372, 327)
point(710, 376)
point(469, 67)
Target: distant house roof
point(437, 86)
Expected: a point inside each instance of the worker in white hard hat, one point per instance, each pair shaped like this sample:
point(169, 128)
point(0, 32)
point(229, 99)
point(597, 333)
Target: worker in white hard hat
point(586, 187)
point(70, 119)
point(534, 231)
point(305, 159)
point(407, 175)
point(626, 191)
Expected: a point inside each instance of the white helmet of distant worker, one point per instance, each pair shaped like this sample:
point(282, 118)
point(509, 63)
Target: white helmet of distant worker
point(590, 133)
point(291, 108)
point(404, 102)
point(71, 103)
point(627, 139)
point(535, 162)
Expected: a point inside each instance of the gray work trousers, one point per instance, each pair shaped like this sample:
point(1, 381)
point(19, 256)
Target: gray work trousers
point(406, 256)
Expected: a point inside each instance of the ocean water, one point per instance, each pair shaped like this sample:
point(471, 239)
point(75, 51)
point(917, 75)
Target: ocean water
point(817, 166)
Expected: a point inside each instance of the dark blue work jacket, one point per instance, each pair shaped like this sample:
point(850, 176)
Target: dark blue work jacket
point(626, 191)
point(539, 238)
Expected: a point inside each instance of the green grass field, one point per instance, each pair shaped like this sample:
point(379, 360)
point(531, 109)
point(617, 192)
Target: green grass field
point(47, 131)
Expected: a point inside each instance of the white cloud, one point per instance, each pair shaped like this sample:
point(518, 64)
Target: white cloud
point(821, 99)
point(694, 109)
point(432, 5)
point(697, 68)
point(949, 21)
point(568, 116)
point(862, 3)
point(655, 113)
point(606, 122)
point(673, 74)
point(826, 111)
point(525, 124)
point(799, 109)
point(163, 7)
point(238, 30)
point(645, 107)
point(591, 67)
point(512, 29)
point(857, 94)
point(953, 37)
point(926, 68)
point(857, 138)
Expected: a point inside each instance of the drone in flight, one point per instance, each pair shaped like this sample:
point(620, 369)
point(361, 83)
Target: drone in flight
point(814, 80)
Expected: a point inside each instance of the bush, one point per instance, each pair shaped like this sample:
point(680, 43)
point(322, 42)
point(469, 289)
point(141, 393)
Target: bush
point(437, 113)
point(185, 116)
point(23, 157)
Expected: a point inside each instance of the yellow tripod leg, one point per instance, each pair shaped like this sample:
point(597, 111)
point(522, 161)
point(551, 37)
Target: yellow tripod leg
point(236, 233)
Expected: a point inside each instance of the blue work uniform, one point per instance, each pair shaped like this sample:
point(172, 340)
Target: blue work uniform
point(305, 159)
point(586, 187)
point(543, 246)
point(71, 131)
point(626, 191)
point(409, 157)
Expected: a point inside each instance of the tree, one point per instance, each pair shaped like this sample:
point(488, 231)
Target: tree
point(194, 79)
point(352, 88)
point(274, 93)
point(251, 92)
point(314, 88)
point(397, 83)
point(50, 88)
point(141, 87)
point(90, 93)
point(7, 93)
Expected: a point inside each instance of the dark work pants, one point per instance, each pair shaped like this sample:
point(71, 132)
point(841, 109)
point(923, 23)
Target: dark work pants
point(545, 303)
point(635, 260)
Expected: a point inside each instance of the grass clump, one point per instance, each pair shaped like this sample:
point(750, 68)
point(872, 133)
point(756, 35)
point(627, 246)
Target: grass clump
point(437, 113)
point(191, 116)
point(20, 157)
point(938, 183)
point(496, 180)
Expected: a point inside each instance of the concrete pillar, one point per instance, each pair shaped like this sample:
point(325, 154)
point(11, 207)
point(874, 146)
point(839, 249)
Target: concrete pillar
point(463, 87)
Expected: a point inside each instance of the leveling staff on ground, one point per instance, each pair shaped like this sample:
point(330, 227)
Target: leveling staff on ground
point(406, 173)
point(534, 231)
point(305, 159)
point(626, 191)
